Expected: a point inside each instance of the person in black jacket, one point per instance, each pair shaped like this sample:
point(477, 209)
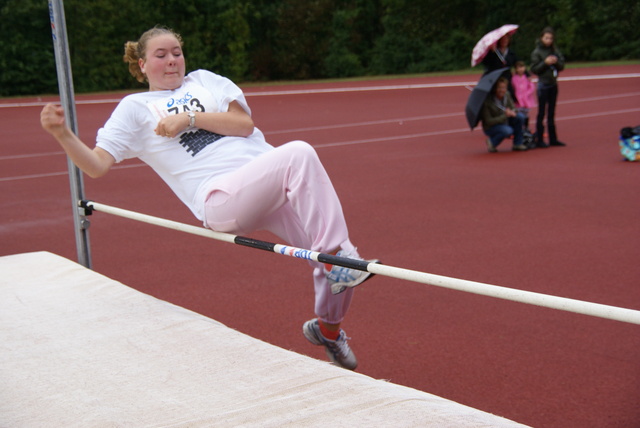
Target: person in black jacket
point(546, 63)
point(499, 57)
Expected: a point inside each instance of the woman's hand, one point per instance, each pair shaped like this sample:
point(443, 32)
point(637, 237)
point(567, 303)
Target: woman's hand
point(172, 125)
point(53, 121)
point(551, 59)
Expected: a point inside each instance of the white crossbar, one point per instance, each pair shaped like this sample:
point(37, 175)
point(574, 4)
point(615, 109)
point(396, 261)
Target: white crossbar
point(522, 296)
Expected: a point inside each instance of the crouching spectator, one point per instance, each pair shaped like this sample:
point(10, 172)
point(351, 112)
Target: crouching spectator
point(500, 119)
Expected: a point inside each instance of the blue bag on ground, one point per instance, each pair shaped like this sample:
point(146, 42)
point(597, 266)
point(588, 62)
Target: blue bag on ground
point(630, 143)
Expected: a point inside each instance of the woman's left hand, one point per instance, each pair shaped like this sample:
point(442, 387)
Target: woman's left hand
point(172, 125)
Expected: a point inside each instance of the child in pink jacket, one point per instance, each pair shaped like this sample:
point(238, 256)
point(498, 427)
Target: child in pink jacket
point(525, 91)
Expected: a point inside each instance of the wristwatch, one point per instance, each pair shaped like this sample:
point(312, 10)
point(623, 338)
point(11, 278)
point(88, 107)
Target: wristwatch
point(192, 118)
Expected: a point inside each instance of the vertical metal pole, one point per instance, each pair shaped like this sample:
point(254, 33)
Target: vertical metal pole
point(67, 100)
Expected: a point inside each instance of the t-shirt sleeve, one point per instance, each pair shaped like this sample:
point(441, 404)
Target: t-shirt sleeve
point(119, 135)
point(222, 88)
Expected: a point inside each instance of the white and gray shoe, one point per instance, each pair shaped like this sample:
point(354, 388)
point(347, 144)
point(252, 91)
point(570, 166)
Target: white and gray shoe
point(340, 278)
point(338, 350)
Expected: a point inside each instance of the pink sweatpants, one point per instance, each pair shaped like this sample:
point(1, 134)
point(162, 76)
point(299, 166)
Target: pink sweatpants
point(287, 192)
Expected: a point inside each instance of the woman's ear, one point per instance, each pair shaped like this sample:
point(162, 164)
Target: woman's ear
point(141, 65)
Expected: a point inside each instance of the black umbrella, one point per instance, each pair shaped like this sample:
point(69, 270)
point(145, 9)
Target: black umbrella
point(479, 94)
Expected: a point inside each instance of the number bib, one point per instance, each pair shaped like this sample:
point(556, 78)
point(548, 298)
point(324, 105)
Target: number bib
point(191, 97)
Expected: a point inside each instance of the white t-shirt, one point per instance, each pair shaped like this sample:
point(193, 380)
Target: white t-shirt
point(192, 159)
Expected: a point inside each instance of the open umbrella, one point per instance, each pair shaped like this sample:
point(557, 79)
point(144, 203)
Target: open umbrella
point(488, 42)
point(479, 94)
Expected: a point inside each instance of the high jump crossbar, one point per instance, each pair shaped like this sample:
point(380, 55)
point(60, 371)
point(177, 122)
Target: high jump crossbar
point(515, 295)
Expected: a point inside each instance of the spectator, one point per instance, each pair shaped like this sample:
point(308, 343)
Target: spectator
point(500, 119)
point(525, 91)
point(500, 57)
point(547, 62)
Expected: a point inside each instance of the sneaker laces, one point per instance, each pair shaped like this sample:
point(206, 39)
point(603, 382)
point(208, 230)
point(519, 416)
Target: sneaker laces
point(340, 345)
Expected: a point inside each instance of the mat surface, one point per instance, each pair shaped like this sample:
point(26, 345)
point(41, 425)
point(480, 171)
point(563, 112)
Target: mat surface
point(80, 349)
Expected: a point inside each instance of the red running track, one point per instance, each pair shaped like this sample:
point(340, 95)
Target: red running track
point(420, 192)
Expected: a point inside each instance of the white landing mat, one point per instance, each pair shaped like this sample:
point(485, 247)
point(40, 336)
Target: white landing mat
point(78, 349)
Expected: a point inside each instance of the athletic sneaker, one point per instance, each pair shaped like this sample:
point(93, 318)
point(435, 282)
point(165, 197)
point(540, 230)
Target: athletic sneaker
point(337, 350)
point(342, 277)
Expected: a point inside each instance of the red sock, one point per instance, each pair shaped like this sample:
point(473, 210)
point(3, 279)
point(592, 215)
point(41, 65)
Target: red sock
point(331, 335)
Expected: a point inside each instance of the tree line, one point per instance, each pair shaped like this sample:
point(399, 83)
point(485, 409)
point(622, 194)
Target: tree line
point(267, 40)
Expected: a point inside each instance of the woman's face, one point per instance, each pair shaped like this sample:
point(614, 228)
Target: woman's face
point(547, 39)
point(504, 41)
point(163, 63)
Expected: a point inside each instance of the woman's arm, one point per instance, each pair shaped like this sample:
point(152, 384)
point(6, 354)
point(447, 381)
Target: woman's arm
point(233, 122)
point(538, 65)
point(94, 162)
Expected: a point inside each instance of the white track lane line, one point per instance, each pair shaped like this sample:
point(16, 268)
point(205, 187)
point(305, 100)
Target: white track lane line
point(249, 93)
point(336, 144)
point(355, 124)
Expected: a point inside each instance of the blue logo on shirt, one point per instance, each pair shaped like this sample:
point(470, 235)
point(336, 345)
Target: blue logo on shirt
point(179, 101)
